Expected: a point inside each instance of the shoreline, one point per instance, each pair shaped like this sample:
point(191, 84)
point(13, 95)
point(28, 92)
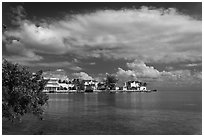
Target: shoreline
point(101, 91)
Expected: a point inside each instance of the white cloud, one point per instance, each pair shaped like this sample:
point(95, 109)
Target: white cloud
point(92, 63)
point(76, 60)
point(22, 60)
point(124, 75)
point(138, 70)
point(76, 68)
point(38, 39)
point(18, 14)
point(20, 52)
point(142, 70)
point(193, 64)
point(198, 75)
point(83, 76)
point(156, 35)
point(56, 74)
point(187, 75)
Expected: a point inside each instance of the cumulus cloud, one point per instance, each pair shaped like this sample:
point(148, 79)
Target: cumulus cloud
point(198, 75)
point(76, 68)
point(187, 75)
point(19, 51)
point(92, 63)
point(125, 75)
point(150, 35)
point(83, 76)
point(22, 60)
point(142, 70)
point(138, 70)
point(193, 64)
point(18, 14)
point(59, 73)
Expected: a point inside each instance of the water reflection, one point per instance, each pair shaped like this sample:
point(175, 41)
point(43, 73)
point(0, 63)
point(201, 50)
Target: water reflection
point(120, 113)
point(127, 113)
point(94, 103)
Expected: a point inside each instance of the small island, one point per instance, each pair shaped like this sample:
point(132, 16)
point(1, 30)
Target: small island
point(56, 85)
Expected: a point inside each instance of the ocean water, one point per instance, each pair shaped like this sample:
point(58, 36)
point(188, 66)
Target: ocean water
point(164, 113)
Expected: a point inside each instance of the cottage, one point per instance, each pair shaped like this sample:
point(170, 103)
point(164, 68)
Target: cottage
point(70, 85)
point(52, 85)
point(117, 88)
point(143, 88)
point(64, 86)
point(133, 85)
point(124, 88)
point(101, 86)
point(93, 84)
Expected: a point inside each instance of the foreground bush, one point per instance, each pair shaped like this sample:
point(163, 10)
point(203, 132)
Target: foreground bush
point(21, 92)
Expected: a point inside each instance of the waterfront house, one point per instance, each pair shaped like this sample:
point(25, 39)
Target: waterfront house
point(117, 88)
point(134, 85)
point(87, 84)
point(64, 86)
point(143, 88)
point(101, 86)
point(124, 88)
point(70, 85)
point(52, 85)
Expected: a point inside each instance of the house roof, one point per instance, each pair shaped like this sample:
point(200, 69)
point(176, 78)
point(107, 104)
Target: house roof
point(52, 85)
point(54, 79)
point(63, 84)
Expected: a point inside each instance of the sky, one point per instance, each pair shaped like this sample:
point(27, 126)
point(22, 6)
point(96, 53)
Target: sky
point(157, 43)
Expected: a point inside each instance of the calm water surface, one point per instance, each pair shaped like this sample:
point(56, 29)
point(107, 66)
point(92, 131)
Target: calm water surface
point(121, 113)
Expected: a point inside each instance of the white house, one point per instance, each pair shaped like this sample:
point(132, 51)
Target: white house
point(64, 86)
point(117, 88)
point(92, 83)
point(134, 84)
point(124, 88)
point(101, 85)
point(70, 85)
point(143, 88)
point(52, 85)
